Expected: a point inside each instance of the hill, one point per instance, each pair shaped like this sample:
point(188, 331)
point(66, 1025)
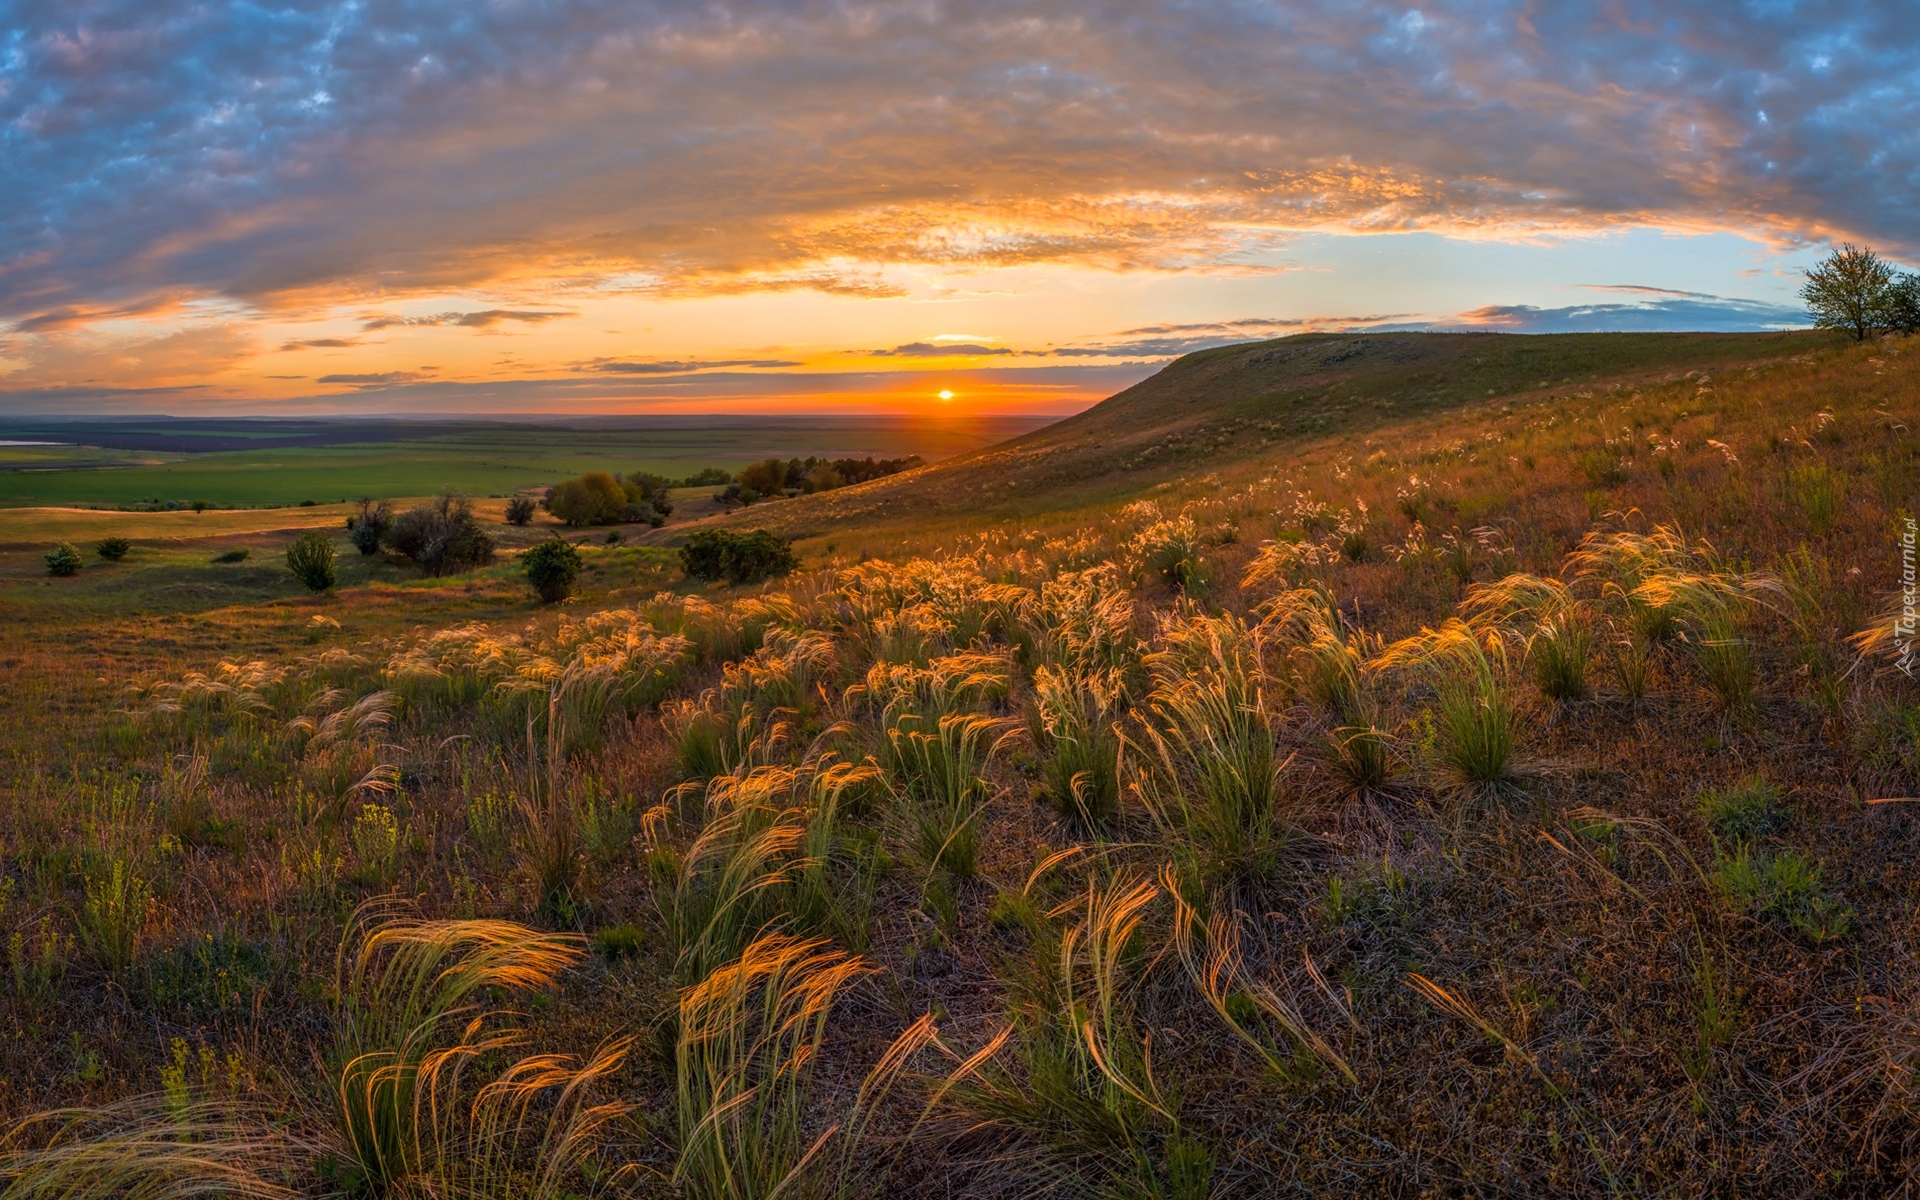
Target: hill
point(1215, 408)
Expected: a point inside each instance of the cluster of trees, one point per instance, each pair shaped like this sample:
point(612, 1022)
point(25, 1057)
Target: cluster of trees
point(599, 498)
point(784, 476)
point(1856, 290)
point(442, 535)
point(737, 557)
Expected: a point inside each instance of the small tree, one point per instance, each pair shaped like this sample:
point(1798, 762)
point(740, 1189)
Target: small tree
point(552, 568)
point(1850, 290)
point(113, 549)
point(520, 510)
point(765, 478)
point(595, 498)
point(63, 560)
point(310, 558)
point(370, 526)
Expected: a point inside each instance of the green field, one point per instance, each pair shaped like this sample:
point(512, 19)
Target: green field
point(489, 459)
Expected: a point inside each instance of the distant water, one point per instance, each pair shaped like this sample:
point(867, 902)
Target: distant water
point(8, 442)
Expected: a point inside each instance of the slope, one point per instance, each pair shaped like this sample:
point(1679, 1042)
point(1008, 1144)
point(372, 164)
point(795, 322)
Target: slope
point(1217, 407)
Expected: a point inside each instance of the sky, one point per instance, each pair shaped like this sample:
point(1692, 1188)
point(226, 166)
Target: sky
point(925, 207)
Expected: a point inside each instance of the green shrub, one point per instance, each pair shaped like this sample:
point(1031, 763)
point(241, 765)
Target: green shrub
point(736, 557)
point(552, 568)
point(238, 555)
point(1783, 887)
point(115, 912)
point(376, 842)
point(113, 549)
point(520, 510)
point(310, 558)
point(63, 560)
point(1744, 813)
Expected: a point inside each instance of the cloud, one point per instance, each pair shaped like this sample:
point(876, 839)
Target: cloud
point(372, 378)
point(1635, 289)
point(288, 155)
point(939, 350)
point(1705, 314)
point(616, 367)
point(320, 344)
point(1052, 388)
point(1666, 310)
point(483, 319)
point(83, 356)
point(1171, 340)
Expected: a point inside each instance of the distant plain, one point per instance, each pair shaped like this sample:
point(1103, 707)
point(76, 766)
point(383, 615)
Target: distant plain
point(258, 463)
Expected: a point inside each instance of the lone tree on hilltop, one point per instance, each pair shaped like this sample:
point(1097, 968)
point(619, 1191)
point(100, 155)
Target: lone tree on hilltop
point(1851, 290)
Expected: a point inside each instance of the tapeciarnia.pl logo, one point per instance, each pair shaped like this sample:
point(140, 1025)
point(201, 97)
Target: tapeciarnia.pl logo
point(1903, 625)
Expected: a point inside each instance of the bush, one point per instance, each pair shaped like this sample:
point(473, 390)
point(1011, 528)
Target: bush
point(310, 558)
point(442, 536)
point(114, 549)
point(370, 526)
point(736, 557)
point(552, 568)
point(520, 510)
point(595, 498)
point(64, 560)
point(233, 556)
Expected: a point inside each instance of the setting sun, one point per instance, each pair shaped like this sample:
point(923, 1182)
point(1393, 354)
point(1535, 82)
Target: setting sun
point(946, 395)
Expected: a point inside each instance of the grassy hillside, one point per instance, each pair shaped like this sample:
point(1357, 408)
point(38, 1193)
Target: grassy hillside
point(1216, 408)
point(1504, 797)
